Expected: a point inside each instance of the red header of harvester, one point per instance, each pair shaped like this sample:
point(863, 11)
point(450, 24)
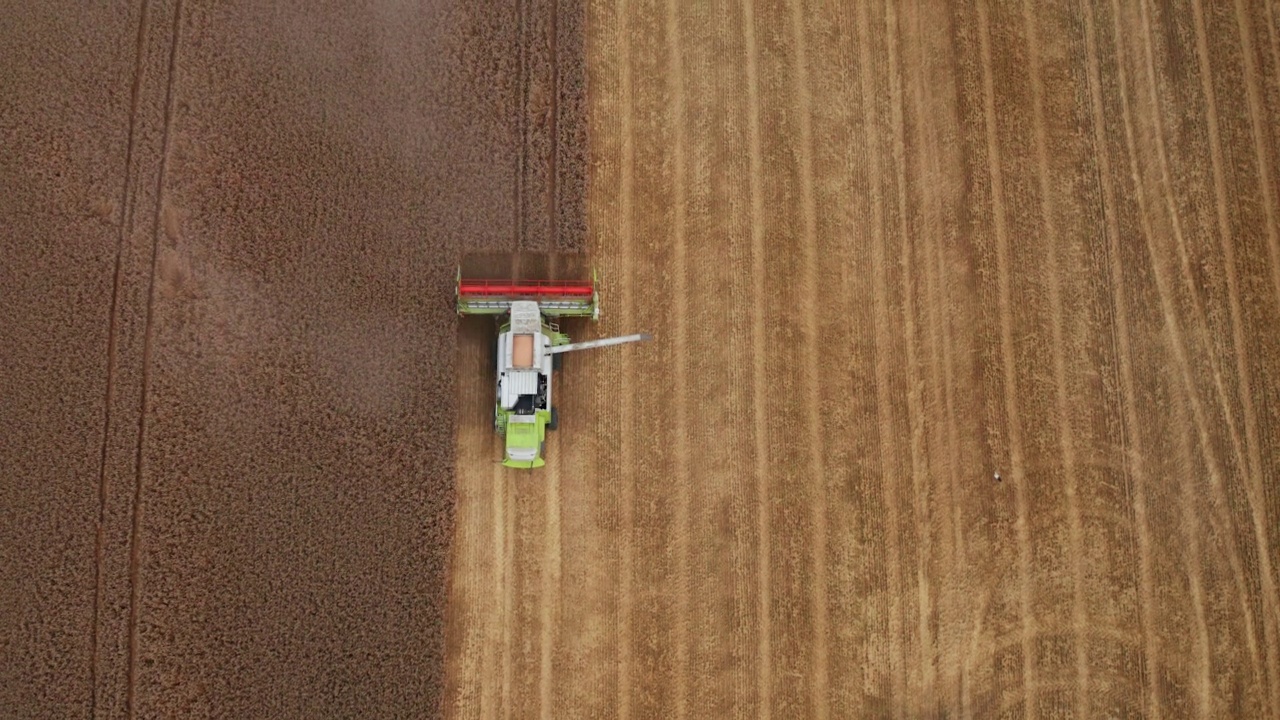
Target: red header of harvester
point(525, 288)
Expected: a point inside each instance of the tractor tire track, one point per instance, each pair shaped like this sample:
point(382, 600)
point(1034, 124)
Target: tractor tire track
point(1179, 348)
point(1130, 440)
point(1012, 419)
point(627, 253)
point(491, 631)
point(1258, 513)
point(1227, 242)
point(1189, 393)
point(127, 200)
point(1257, 123)
point(922, 168)
point(549, 597)
point(818, 689)
point(1272, 40)
point(764, 682)
point(1265, 183)
point(503, 579)
point(944, 345)
point(680, 330)
point(735, 204)
point(1195, 575)
point(656, 604)
point(522, 124)
point(713, 613)
point(1201, 319)
point(539, 89)
point(920, 471)
point(607, 660)
point(1253, 479)
point(582, 627)
point(135, 536)
point(844, 321)
point(1066, 438)
point(553, 190)
point(889, 471)
point(941, 343)
point(971, 652)
point(1048, 686)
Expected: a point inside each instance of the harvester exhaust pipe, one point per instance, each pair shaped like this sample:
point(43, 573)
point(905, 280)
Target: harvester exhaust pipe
point(603, 342)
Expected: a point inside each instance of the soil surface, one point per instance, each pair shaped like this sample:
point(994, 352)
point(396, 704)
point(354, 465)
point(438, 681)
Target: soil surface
point(229, 234)
point(962, 401)
point(965, 389)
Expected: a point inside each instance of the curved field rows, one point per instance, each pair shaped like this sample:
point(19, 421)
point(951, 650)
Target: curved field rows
point(964, 390)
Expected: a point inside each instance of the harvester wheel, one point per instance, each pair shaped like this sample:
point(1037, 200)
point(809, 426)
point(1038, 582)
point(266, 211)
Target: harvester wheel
point(555, 421)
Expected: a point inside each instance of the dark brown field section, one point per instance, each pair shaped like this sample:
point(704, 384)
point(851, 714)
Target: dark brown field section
point(228, 233)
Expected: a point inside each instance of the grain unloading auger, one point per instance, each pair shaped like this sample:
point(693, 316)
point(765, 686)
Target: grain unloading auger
point(529, 348)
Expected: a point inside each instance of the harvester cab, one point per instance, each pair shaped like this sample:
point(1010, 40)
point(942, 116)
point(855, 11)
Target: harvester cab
point(528, 349)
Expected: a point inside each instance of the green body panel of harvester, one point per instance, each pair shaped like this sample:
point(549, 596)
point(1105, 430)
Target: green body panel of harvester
point(527, 352)
point(524, 438)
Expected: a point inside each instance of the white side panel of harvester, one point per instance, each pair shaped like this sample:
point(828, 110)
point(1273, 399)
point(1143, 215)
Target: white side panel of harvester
point(515, 379)
point(516, 383)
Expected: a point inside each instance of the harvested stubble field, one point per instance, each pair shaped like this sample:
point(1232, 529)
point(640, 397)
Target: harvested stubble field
point(966, 383)
point(229, 233)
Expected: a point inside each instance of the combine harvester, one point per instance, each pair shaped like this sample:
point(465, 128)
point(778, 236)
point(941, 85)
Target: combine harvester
point(529, 348)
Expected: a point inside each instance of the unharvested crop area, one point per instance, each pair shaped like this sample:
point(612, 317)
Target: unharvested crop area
point(228, 233)
point(966, 383)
